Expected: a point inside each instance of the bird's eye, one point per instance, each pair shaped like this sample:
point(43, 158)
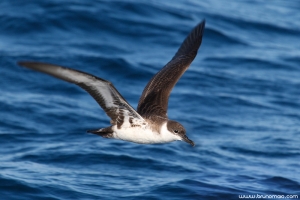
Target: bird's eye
point(175, 131)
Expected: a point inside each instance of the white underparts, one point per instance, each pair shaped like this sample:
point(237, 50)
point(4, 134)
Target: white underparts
point(144, 134)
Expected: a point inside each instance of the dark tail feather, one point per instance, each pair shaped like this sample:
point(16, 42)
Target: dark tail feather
point(103, 132)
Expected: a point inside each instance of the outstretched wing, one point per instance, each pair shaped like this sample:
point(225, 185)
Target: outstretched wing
point(154, 100)
point(107, 96)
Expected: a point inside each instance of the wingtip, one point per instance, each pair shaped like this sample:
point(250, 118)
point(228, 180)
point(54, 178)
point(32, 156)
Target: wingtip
point(24, 63)
point(21, 63)
point(202, 25)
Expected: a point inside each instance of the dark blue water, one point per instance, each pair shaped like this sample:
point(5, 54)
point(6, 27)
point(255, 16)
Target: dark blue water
point(239, 100)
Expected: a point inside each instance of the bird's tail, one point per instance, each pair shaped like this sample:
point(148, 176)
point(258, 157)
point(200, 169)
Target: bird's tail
point(103, 132)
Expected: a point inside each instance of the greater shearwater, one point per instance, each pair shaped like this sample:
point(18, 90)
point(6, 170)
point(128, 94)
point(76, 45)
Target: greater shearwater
point(150, 123)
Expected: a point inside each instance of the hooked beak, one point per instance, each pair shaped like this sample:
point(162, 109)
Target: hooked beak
point(186, 139)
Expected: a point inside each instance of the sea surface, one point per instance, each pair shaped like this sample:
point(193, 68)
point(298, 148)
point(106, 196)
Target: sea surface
point(239, 100)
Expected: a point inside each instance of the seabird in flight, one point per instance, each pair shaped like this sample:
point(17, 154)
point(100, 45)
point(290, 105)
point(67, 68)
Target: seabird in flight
point(149, 123)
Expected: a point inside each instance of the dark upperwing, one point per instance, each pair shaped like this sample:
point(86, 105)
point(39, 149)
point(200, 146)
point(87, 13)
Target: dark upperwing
point(154, 99)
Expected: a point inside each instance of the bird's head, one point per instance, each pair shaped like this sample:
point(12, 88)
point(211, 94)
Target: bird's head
point(178, 130)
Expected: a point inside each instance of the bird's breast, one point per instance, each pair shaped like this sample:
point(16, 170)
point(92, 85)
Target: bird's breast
point(144, 134)
point(137, 134)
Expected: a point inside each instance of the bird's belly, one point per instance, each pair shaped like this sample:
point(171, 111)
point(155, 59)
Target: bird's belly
point(138, 135)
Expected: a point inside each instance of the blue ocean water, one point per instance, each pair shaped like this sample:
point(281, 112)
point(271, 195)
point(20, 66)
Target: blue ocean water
point(239, 100)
